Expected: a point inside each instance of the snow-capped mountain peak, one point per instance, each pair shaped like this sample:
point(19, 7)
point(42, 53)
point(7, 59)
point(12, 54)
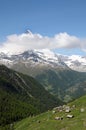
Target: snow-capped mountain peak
point(46, 53)
point(44, 57)
point(78, 58)
point(28, 32)
point(76, 62)
point(34, 58)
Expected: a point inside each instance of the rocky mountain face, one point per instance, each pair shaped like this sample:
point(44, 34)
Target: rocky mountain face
point(54, 71)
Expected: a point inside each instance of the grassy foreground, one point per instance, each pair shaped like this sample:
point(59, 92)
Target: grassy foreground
point(46, 121)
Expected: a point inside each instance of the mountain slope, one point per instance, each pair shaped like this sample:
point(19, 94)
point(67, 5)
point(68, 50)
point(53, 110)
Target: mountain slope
point(21, 96)
point(47, 120)
point(65, 84)
point(51, 71)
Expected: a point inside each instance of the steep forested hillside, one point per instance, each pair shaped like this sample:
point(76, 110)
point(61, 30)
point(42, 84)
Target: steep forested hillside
point(21, 96)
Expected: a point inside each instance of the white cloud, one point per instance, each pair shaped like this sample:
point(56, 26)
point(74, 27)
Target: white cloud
point(66, 41)
point(83, 44)
point(19, 43)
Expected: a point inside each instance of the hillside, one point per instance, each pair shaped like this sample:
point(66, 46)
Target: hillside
point(46, 121)
point(63, 83)
point(21, 96)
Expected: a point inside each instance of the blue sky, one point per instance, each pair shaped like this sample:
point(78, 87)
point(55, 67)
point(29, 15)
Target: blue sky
point(45, 17)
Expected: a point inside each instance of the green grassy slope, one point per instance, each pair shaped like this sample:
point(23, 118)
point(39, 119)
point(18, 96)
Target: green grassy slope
point(46, 121)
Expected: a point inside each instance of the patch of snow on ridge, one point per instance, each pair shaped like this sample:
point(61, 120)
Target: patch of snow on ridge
point(78, 58)
point(47, 55)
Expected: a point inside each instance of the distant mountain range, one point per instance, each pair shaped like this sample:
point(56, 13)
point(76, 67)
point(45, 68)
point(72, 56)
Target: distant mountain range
point(75, 62)
point(45, 58)
point(63, 76)
point(33, 58)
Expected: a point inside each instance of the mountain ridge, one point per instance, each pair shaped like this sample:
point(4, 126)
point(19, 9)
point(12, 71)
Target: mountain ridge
point(45, 56)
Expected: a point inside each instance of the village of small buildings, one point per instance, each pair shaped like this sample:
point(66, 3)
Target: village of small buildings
point(65, 111)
